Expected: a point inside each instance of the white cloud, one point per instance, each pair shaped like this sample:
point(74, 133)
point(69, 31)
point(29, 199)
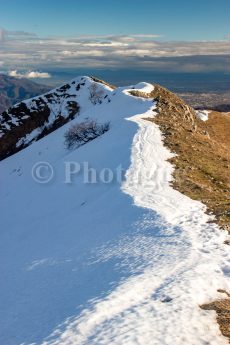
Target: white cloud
point(15, 74)
point(105, 44)
point(29, 75)
point(83, 53)
point(35, 74)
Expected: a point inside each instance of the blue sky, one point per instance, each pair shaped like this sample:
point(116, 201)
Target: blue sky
point(174, 20)
point(45, 37)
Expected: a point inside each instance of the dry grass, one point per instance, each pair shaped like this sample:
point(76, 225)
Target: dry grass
point(222, 308)
point(203, 163)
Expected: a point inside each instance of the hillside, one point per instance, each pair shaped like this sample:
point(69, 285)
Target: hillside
point(32, 119)
point(98, 245)
point(14, 90)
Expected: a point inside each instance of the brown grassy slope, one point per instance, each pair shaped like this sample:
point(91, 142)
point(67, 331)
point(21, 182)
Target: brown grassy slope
point(202, 162)
point(222, 308)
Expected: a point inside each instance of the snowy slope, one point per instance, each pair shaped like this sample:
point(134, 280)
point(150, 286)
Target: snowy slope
point(34, 118)
point(126, 262)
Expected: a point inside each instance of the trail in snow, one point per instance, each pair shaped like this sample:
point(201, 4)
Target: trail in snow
point(181, 265)
point(107, 264)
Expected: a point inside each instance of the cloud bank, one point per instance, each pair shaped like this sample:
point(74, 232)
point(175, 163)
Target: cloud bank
point(20, 50)
point(29, 75)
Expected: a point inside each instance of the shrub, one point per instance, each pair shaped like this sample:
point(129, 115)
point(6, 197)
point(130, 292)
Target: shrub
point(81, 133)
point(96, 94)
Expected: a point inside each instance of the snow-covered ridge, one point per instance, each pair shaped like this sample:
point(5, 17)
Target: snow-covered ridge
point(34, 118)
point(109, 264)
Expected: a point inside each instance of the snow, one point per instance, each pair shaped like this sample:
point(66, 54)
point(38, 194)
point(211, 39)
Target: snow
point(202, 115)
point(29, 137)
point(119, 263)
point(57, 105)
point(144, 87)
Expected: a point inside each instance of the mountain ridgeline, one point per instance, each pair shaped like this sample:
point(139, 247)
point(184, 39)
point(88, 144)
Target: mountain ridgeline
point(32, 119)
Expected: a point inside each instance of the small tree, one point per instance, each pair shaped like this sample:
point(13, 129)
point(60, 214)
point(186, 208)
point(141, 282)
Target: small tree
point(81, 133)
point(96, 94)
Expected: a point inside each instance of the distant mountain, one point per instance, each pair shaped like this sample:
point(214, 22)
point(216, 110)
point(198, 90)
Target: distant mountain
point(13, 90)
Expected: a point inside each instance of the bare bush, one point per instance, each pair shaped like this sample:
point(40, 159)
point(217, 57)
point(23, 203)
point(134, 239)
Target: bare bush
point(81, 133)
point(96, 94)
